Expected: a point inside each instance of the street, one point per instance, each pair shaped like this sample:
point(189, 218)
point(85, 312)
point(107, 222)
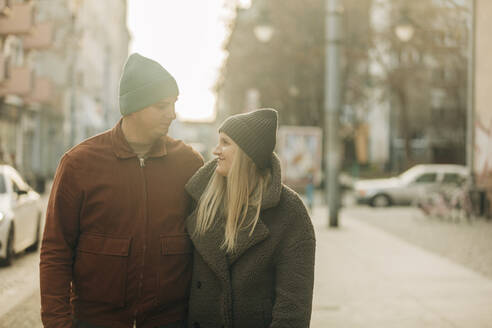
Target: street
point(366, 296)
point(19, 289)
point(366, 277)
point(19, 293)
point(469, 244)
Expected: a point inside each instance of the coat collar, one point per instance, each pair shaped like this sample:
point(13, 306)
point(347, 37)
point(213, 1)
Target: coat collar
point(122, 149)
point(208, 245)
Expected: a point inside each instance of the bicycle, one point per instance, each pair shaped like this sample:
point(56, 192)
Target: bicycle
point(437, 204)
point(448, 202)
point(462, 204)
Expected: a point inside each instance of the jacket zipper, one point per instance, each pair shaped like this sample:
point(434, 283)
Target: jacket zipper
point(140, 284)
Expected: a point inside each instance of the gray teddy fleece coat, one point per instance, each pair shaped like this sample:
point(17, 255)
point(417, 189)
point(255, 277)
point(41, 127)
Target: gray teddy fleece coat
point(268, 280)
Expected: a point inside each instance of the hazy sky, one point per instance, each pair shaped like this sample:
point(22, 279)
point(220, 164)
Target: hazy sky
point(186, 38)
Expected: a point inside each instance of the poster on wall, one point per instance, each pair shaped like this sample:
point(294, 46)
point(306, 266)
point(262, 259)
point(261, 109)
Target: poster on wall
point(299, 149)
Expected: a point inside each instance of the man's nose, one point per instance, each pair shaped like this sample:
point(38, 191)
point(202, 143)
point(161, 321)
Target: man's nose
point(171, 115)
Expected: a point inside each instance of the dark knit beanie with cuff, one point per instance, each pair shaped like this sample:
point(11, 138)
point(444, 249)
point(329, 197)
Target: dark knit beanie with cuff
point(144, 82)
point(255, 133)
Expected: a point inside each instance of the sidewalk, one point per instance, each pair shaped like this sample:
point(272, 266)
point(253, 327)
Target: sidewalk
point(367, 278)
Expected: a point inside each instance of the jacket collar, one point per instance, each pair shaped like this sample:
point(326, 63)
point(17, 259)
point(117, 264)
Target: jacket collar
point(122, 149)
point(208, 245)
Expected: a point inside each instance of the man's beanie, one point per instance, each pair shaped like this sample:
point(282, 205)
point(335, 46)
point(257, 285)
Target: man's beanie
point(255, 133)
point(144, 82)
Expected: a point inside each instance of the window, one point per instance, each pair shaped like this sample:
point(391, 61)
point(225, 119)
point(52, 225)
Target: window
point(17, 182)
point(452, 178)
point(426, 178)
point(15, 187)
point(3, 187)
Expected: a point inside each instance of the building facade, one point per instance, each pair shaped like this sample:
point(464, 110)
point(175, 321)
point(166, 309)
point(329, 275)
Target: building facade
point(483, 98)
point(60, 63)
point(23, 94)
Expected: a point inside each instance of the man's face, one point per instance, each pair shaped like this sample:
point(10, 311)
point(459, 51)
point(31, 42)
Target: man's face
point(157, 118)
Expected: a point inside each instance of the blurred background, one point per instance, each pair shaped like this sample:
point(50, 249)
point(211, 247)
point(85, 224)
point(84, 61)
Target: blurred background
point(365, 89)
point(403, 81)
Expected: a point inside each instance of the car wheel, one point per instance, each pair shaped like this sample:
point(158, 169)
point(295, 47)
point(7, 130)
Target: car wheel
point(34, 247)
point(10, 248)
point(381, 200)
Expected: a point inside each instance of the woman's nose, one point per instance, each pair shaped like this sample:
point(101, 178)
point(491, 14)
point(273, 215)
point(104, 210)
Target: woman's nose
point(216, 151)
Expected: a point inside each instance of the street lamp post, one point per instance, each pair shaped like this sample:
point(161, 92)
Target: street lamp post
point(73, 7)
point(73, 87)
point(470, 106)
point(404, 31)
point(334, 11)
point(263, 29)
point(332, 93)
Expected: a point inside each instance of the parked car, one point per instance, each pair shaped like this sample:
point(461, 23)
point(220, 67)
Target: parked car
point(20, 215)
point(405, 188)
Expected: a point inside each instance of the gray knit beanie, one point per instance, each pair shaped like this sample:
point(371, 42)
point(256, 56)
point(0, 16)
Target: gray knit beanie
point(255, 133)
point(144, 82)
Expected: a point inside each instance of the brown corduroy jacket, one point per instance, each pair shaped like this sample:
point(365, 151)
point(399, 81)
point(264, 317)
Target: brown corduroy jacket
point(115, 250)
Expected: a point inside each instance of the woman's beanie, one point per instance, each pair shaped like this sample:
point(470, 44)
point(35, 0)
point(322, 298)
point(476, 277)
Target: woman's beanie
point(255, 133)
point(144, 82)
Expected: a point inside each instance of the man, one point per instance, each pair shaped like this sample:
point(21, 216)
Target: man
point(115, 252)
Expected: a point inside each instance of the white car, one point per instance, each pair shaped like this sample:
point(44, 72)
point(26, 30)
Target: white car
point(20, 215)
point(405, 188)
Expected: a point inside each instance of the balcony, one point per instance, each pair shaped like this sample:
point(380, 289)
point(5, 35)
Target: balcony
point(5, 8)
point(41, 37)
point(19, 82)
point(42, 92)
point(19, 21)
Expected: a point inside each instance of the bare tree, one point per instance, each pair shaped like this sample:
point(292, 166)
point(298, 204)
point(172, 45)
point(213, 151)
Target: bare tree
point(422, 78)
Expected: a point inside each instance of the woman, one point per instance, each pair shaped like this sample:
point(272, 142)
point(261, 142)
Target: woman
point(254, 241)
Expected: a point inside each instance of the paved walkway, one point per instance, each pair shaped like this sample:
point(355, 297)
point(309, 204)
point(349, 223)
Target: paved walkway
point(368, 278)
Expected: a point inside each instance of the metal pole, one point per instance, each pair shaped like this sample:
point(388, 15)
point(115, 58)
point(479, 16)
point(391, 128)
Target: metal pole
point(470, 119)
point(73, 81)
point(334, 11)
point(107, 90)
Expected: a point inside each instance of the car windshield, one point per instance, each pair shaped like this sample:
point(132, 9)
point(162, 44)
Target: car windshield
point(409, 175)
point(3, 188)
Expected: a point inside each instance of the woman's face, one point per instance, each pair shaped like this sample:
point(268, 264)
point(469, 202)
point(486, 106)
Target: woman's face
point(225, 151)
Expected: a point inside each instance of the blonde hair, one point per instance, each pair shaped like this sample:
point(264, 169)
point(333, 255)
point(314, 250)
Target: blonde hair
point(231, 198)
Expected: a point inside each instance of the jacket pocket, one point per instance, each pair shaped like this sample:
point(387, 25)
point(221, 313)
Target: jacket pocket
point(100, 268)
point(174, 269)
point(176, 245)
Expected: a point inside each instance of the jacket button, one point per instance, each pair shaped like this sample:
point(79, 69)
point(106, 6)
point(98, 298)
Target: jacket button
point(196, 325)
point(198, 284)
